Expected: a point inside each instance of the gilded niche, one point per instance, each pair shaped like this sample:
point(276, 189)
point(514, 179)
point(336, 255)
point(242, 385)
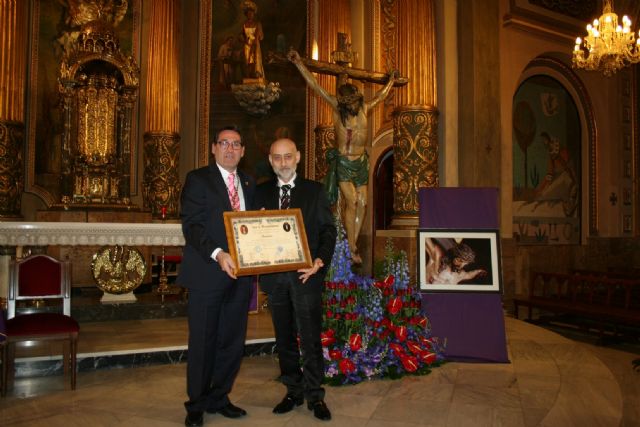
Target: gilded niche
point(98, 85)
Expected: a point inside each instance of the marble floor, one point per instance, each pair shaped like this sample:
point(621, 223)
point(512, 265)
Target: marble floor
point(551, 381)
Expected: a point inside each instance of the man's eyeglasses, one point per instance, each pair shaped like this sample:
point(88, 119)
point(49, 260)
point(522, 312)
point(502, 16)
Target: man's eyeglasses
point(225, 144)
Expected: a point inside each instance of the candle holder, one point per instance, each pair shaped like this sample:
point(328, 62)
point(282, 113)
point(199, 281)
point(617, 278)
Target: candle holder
point(163, 281)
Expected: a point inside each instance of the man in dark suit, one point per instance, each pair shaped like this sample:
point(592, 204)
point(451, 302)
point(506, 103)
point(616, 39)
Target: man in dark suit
point(218, 300)
point(295, 298)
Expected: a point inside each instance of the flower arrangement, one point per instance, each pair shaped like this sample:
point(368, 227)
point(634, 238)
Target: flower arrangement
point(374, 328)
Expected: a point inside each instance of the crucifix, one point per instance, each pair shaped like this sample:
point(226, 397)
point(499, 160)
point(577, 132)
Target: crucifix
point(348, 161)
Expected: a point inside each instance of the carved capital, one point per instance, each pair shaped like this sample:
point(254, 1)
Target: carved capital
point(161, 185)
point(11, 168)
point(415, 156)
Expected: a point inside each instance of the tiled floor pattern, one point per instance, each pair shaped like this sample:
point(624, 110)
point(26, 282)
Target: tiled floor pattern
point(552, 381)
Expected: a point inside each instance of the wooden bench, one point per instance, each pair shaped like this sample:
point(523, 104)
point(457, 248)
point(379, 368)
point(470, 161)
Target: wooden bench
point(597, 297)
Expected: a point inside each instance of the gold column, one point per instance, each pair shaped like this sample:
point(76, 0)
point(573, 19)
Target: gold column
point(161, 186)
point(13, 56)
point(334, 16)
point(415, 119)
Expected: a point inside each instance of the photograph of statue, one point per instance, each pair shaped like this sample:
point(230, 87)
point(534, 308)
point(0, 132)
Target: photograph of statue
point(458, 260)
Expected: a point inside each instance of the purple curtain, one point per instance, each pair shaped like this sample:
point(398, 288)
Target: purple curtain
point(471, 323)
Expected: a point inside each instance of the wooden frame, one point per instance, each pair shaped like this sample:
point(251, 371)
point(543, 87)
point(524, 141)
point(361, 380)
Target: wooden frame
point(267, 241)
point(442, 266)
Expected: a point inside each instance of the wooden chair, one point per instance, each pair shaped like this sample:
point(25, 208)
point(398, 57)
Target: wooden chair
point(40, 277)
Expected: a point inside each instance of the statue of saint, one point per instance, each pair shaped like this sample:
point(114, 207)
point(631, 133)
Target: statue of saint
point(348, 164)
point(252, 35)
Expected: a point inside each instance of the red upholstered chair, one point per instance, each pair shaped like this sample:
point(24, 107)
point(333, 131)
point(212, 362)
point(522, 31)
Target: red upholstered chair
point(40, 277)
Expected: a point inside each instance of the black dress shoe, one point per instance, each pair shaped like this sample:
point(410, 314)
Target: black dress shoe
point(320, 410)
point(193, 419)
point(231, 411)
point(288, 403)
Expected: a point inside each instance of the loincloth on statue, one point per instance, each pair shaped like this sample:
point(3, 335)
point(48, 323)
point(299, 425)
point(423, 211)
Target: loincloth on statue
point(342, 169)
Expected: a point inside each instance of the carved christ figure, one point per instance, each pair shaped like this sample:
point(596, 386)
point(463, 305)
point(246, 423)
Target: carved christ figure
point(348, 165)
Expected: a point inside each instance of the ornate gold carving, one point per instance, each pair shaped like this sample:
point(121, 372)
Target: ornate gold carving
point(118, 269)
point(11, 168)
point(98, 85)
point(415, 154)
point(325, 139)
point(96, 122)
point(161, 185)
point(389, 58)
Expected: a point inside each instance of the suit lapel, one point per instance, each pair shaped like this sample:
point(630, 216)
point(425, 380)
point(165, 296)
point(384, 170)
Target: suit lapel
point(296, 194)
point(220, 187)
point(244, 182)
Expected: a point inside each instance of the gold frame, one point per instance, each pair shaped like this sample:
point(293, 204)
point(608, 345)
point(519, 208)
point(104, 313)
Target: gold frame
point(298, 235)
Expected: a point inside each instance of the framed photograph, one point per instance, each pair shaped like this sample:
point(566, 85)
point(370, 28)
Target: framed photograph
point(459, 260)
point(267, 241)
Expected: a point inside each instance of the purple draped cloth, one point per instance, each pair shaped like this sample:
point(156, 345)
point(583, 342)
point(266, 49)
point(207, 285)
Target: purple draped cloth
point(472, 323)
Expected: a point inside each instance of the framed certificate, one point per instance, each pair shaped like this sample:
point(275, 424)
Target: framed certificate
point(267, 241)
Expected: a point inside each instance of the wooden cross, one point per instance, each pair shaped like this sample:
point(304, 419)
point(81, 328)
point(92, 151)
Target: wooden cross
point(342, 57)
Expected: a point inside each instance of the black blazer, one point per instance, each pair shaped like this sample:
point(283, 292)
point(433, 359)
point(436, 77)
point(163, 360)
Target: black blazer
point(204, 199)
point(319, 225)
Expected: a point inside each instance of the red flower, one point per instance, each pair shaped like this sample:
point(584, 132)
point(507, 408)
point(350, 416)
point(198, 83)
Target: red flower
point(410, 363)
point(414, 347)
point(426, 342)
point(401, 333)
point(329, 314)
point(346, 366)
point(394, 305)
point(335, 354)
point(428, 357)
point(397, 349)
point(389, 280)
point(327, 339)
point(423, 322)
point(355, 342)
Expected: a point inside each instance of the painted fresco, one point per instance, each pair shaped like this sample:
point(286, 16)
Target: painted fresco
point(546, 164)
point(283, 24)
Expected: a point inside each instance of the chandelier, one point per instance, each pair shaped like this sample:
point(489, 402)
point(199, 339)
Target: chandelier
point(608, 46)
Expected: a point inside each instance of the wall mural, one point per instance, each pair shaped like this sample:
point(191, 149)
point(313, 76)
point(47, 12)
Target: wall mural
point(55, 27)
point(546, 164)
point(265, 97)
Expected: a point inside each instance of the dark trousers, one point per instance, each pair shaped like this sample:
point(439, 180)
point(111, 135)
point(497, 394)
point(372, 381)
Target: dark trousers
point(296, 308)
point(217, 331)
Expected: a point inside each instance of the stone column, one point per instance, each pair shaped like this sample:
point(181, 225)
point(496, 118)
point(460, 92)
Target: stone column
point(13, 57)
point(334, 16)
point(415, 118)
point(161, 185)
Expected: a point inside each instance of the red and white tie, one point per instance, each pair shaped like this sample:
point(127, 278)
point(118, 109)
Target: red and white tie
point(233, 192)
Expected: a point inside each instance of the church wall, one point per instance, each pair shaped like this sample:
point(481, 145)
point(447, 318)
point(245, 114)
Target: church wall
point(609, 247)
